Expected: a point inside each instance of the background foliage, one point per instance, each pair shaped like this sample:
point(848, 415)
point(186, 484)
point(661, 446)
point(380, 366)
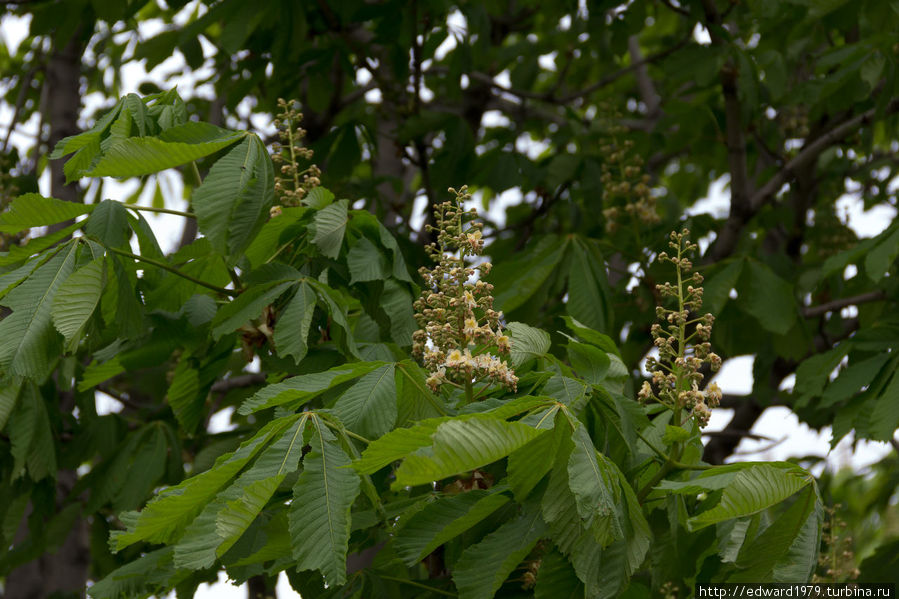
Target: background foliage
point(576, 105)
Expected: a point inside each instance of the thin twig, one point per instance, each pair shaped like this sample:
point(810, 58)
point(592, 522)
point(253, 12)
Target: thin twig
point(174, 271)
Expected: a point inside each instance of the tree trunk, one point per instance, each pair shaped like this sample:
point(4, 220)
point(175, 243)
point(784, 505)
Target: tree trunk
point(64, 572)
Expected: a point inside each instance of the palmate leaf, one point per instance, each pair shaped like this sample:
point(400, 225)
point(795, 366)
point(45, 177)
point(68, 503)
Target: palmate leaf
point(443, 519)
point(396, 444)
point(463, 445)
point(300, 389)
point(319, 514)
point(108, 224)
point(366, 262)
point(30, 436)
point(28, 341)
point(76, 301)
point(753, 490)
point(183, 395)
point(166, 516)
point(137, 156)
point(9, 396)
point(34, 210)
point(483, 567)
point(224, 519)
point(233, 201)
point(529, 464)
point(369, 406)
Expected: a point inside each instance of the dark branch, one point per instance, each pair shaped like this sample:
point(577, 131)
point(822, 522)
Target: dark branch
point(238, 382)
point(820, 310)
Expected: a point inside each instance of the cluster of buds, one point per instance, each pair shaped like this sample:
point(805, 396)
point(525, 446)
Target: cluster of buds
point(837, 562)
point(682, 341)
point(291, 182)
point(460, 330)
point(626, 191)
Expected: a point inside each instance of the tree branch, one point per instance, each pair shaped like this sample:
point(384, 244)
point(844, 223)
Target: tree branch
point(820, 310)
point(240, 381)
point(729, 236)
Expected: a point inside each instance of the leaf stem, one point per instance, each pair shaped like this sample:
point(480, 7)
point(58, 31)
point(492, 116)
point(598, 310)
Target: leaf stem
point(174, 271)
point(161, 210)
point(418, 584)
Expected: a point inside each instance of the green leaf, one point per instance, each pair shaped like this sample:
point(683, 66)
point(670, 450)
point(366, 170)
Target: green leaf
point(528, 342)
point(76, 301)
point(28, 341)
point(318, 198)
point(556, 579)
point(227, 517)
point(31, 438)
point(319, 514)
point(442, 520)
point(233, 201)
point(247, 306)
point(108, 223)
point(516, 282)
point(150, 574)
point(717, 288)
point(482, 568)
point(34, 210)
point(184, 395)
point(36, 245)
point(589, 362)
point(592, 478)
point(884, 417)
point(300, 389)
point(397, 302)
point(603, 342)
point(787, 550)
point(137, 156)
point(166, 516)
point(463, 445)
point(292, 327)
point(588, 288)
point(530, 463)
point(769, 299)
point(366, 262)
point(415, 400)
point(751, 491)
point(369, 406)
point(9, 395)
point(395, 445)
point(879, 259)
point(852, 379)
point(674, 434)
point(330, 226)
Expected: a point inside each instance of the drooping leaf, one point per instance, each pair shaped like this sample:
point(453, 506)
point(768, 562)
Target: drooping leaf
point(77, 299)
point(366, 262)
point(28, 341)
point(528, 342)
point(224, 520)
point(34, 210)
point(529, 464)
point(166, 516)
point(137, 156)
point(397, 302)
point(150, 574)
point(396, 444)
point(247, 306)
point(330, 226)
point(183, 395)
point(108, 224)
point(319, 514)
point(36, 245)
point(879, 259)
point(303, 388)
point(753, 490)
point(768, 298)
point(292, 327)
point(463, 445)
point(484, 566)
point(9, 395)
point(589, 362)
point(588, 289)
point(234, 199)
point(442, 520)
point(369, 406)
point(591, 477)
